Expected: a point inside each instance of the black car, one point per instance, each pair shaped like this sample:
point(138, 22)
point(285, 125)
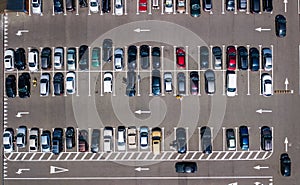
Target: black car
point(83, 57)
point(107, 50)
point(83, 3)
point(106, 6)
point(20, 59)
point(58, 6)
point(280, 25)
point(244, 137)
point(255, 6)
point(83, 141)
point(195, 8)
point(205, 133)
point(230, 5)
point(10, 86)
point(132, 52)
point(70, 137)
point(181, 140)
point(266, 138)
point(131, 78)
point(207, 5)
point(57, 141)
point(58, 84)
point(144, 54)
point(285, 165)
point(156, 58)
point(268, 5)
point(95, 146)
point(46, 58)
point(242, 58)
point(242, 5)
point(156, 85)
point(24, 85)
point(204, 57)
point(186, 167)
point(194, 82)
point(254, 59)
point(217, 52)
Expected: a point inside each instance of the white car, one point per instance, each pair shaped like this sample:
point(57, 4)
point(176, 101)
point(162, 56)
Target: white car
point(266, 85)
point(8, 141)
point(169, 6)
point(36, 6)
point(108, 82)
point(58, 58)
point(119, 59)
point(33, 60)
point(231, 84)
point(94, 6)
point(118, 7)
point(168, 81)
point(45, 84)
point(34, 140)
point(9, 59)
point(71, 83)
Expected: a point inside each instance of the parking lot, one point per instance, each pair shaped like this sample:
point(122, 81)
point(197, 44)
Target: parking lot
point(92, 106)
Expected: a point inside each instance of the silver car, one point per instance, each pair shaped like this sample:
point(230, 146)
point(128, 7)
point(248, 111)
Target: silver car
point(181, 83)
point(267, 59)
point(210, 86)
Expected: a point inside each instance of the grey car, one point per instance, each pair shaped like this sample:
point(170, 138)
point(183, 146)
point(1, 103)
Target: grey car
point(181, 83)
point(95, 140)
point(217, 52)
point(181, 140)
point(107, 50)
point(144, 54)
point(204, 57)
point(156, 57)
point(210, 85)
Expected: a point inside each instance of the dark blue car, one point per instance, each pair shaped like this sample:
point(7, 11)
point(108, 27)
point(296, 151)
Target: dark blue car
point(244, 137)
point(254, 59)
point(58, 6)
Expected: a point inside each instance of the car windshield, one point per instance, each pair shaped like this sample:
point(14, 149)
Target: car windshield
point(35, 5)
point(195, 7)
point(181, 3)
point(93, 4)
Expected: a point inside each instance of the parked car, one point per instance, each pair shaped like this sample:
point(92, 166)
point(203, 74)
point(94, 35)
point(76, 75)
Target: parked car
point(231, 83)
point(34, 138)
point(8, 140)
point(205, 133)
point(36, 6)
point(45, 84)
point(204, 59)
point(9, 59)
point(230, 5)
point(57, 141)
point(207, 5)
point(156, 86)
point(22, 136)
point(33, 60)
point(70, 137)
point(83, 3)
point(254, 59)
point(156, 140)
point(83, 57)
point(231, 58)
point(217, 56)
point(24, 85)
point(131, 79)
point(254, 6)
point(267, 59)
point(70, 5)
point(266, 85)
point(132, 137)
point(266, 138)
point(132, 52)
point(71, 59)
point(210, 84)
point(20, 60)
point(121, 138)
point(46, 58)
point(230, 139)
point(180, 6)
point(108, 139)
point(71, 82)
point(180, 57)
point(143, 5)
point(107, 50)
point(280, 26)
point(58, 6)
point(244, 137)
point(108, 82)
point(58, 58)
point(168, 6)
point(181, 140)
point(96, 57)
point(267, 5)
point(83, 141)
point(156, 58)
point(95, 146)
point(119, 59)
point(181, 83)
point(10, 86)
point(242, 5)
point(242, 58)
point(144, 137)
point(285, 165)
point(94, 6)
point(186, 167)
point(144, 54)
point(168, 82)
point(195, 8)
point(105, 6)
point(46, 141)
point(194, 82)
point(58, 84)
point(119, 7)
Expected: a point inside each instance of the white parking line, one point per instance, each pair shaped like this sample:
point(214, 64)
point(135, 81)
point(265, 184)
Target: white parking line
point(272, 72)
point(150, 66)
point(101, 72)
point(187, 136)
point(138, 70)
point(199, 139)
point(114, 71)
point(236, 137)
point(163, 139)
point(149, 8)
point(65, 66)
point(260, 68)
point(186, 72)
point(77, 143)
point(224, 137)
point(162, 7)
point(299, 66)
point(89, 138)
point(113, 7)
point(174, 76)
point(224, 62)
point(125, 7)
point(174, 3)
point(65, 7)
point(77, 7)
point(137, 7)
point(76, 70)
point(248, 7)
point(162, 69)
point(223, 7)
point(198, 63)
point(235, 6)
point(248, 73)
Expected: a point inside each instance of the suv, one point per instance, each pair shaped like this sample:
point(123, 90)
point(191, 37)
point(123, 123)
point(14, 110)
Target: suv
point(181, 140)
point(95, 146)
point(83, 141)
point(242, 58)
point(267, 59)
point(20, 59)
point(156, 86)
point(34, 139)
point(83, 57)
point(24, 85)
point(266, 85)
point(244, 137)
point(96, 57)
point(156, 58)
point(132, 52)
point(254, 59)
point(107, 82)
point(45, 84)
point(58, 84)
point(10, 86)
point(230, 139)
point(46, 141)
point(8, 140)
point(156, 140)
point(266, 138)
point(206, 140)
point(57, 141)
point(46, 58)
point(22, 136)
point(70, 137)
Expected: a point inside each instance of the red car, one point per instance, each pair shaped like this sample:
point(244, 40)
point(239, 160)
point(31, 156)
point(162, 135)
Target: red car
point(231, 58)
point(180, 57)
point(142, 5)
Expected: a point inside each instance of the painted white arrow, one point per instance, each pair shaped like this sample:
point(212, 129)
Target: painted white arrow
point(234, 183)
point(21, 170)
point(141, 169)
point(142, 112)
point(258, 167)
point(286, 83)
point(260, 111)
point(286, 142)
point(257, 183)
point(285, 5)
point(262, 29)
point(19, 114)
point(55, 169)
point(19, 33)
point(138, 30)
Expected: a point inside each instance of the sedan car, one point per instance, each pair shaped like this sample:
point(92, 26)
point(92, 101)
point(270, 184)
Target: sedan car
point(24, 85)
point(142, 5)
point(144, 54)
point(8, 140)
point(244, 137)
point(70, 137)
point(96, 57)
point(119, 7)
point(46, 141)
point(95, 145)
point(267, 59)
point(267, 5)
point(210, 84)
point(156, 86)
point(168, 82)
point(45, 84)
point(46, 56)
point(83, 141)
point(280, 25)
point(242, 58)
point(266, 138)
point(108, 82)
point(10, 86)
point(34, 139)
point(144, 137)
point(21, 136)
point(155, 57)
point(242, 5)
point(107, 50)
point(204, 59)
point(20, 60)
point(230, 139)
point(180, 57)
point(195, 8)
point(132, 52)
point(181, 140)
point(207, 5)
point(36, 6)
point(119, 59)
point(181, 83)
point(33, 60)
point(217, 57)
point(186, 167)
point(205, 133)
point(180, 6)
point(266, 85)
point(71, 82)
point(71, 59)
point(58, 58)
point(285, 165)
point(58, 84)
point(58, 6)
point(83, 57)
point(194, 82)
point(254, 59)
point(9, 59)
point(94, 6)
point(231, 58)
point(168, 6)
point(230, 6)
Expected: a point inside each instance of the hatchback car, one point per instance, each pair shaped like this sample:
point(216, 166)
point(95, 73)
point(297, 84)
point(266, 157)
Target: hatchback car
point(144, 54)
point(45, 84)
point(180, 6)
point(195, 8)
point(204, 59)
point(10, 86)
point(285, 165)
point(33, 60)
point(242, 58)
point(205, 133)
point(71, 82)
point(230, 139)
point(168, 82)
point(34, 139)
point(266, 138)
point(20, 60)
point(46, 58)
point(8, 140)
point(186, 167)
point(231, 58)
point(194, 82)
point(70, 137)
point(21, 136)
point(244, 137)
point(58, 6)
point(254, 59)
point(267, 5)
point(242, 5)
point(58, 58)
point(83, 57)
point(95, 145)
point(121, 138)
point(36, 6)
point(107, 50)
point(266, 85)
point(46, 141)
point(168, 6)
point(210, 84)
point(230, 5)
point(267, 59)
point(181, 83)
point(119, 7)
point(24, 85)
point(180, 57)
point(58, 84)
point(217, 57)
point(181, 140)
point(155, 57)
point(156, 86)
point(9, 59)
point(280, 25)
point(132, 52)
point(207, 5)
point(96, 57)
point(143, 5)
point(94, 6)
point(71, 59)
point(144, 137)
point(119, 59)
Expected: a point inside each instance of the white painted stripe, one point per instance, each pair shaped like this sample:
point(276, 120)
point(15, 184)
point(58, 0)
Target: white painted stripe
point(232, 155)
point(43, 156)
point(264, 156)
point(162, 157)
point(219, 153)
point(131, 156)
point(192, 158)
point(170, 156)
point(241, 154)
point(76, 156)
point(25, 154)
point(83, 157)
point(201, 156)
point(67, 156)
point(124, 155)
point(117, 156)
point(249, 155)
point(100, 156)
point(147, 155)
point(186, 154)
point(257, 153)
point(139, 155)
point(32, 156)
point(225, 155)
point(107, 157)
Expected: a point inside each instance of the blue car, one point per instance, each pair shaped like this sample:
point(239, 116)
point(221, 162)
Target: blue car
point(58, 6)
point(244, 137)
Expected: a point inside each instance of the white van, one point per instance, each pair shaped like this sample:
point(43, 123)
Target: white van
point(107, 139)
point(231, 84)
point(155, 4)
